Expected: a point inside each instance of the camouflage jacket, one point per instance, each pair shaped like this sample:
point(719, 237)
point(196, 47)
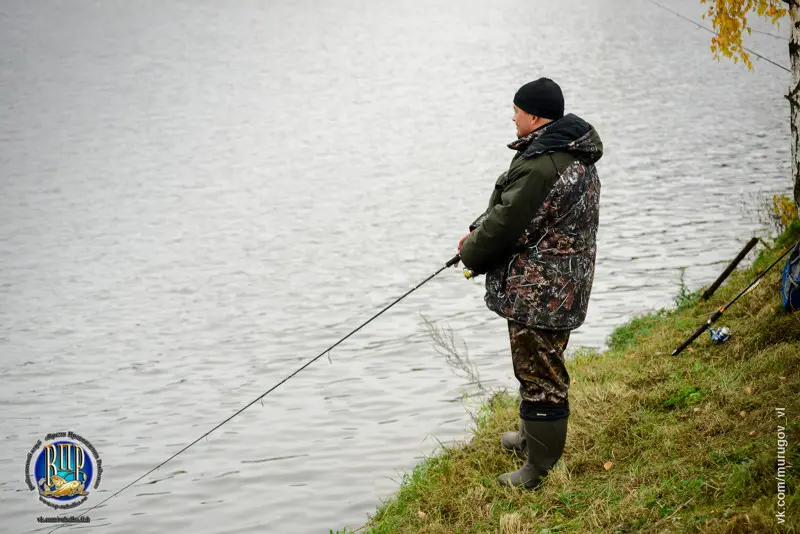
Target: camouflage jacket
point(536, 242)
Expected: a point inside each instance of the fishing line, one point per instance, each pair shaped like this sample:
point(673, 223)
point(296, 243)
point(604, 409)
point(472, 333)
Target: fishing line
point(781, 37)
point(768, 60)
point(450, 263)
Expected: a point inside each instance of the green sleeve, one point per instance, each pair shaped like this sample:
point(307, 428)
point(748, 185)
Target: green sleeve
point(520, 199)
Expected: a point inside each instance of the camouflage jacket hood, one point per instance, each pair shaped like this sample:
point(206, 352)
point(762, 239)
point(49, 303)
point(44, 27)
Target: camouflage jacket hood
point(570, 133)
point(537, 240)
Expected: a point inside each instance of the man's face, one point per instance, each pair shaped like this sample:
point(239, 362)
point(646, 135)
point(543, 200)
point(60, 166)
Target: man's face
point(526, 123)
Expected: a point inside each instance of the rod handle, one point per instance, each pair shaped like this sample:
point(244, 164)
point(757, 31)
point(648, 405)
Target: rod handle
point(713, 318)
point(455, 259)
point(691, 338)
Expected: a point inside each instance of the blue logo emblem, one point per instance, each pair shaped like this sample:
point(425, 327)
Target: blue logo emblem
point(64, 467)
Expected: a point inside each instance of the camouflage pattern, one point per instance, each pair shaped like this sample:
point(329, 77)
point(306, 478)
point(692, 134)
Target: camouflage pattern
point(547, 280)
point(538, 359)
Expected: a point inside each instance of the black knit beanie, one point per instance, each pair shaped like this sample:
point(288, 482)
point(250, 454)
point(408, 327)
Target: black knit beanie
point(542, 98)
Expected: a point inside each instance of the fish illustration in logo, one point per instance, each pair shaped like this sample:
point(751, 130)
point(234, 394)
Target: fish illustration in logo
point(59, 487)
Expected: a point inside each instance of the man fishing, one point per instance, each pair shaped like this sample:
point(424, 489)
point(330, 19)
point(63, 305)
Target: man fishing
point(536, 243)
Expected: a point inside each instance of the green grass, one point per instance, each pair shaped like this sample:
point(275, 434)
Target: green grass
point(692, 439)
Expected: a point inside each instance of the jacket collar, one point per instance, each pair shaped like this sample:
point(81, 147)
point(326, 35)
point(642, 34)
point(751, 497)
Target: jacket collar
point(522, 142)
point(570, 133)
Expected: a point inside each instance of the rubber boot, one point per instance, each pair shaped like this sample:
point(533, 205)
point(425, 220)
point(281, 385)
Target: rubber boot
point(514, 441)
point(544, 444)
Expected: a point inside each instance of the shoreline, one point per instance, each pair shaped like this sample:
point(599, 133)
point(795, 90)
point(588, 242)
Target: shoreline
point(656, 442)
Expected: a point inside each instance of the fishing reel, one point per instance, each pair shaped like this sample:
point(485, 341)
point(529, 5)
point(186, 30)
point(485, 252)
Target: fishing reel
point(468, 273)
point(719, 335)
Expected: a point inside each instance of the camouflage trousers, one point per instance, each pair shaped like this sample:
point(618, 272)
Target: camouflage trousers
point(538, 359)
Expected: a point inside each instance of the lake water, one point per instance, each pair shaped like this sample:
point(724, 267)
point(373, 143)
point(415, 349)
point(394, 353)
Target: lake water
point(198, 197)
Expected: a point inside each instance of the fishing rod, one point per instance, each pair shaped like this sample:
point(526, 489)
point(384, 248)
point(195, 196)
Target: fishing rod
point(723, 334)
point(768, 60)
point(454, 260)
point(728, 270)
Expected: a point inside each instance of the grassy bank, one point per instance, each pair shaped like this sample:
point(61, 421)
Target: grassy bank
point(656, 443)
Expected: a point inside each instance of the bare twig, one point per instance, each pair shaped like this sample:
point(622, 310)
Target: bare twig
point(445, 345)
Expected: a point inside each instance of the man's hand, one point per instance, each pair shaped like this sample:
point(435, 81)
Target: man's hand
point(461, 243)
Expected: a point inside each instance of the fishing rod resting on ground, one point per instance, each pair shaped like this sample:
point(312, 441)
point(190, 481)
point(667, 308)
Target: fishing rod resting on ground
point(454, 260)
point(729, 269)
point(721, 335)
